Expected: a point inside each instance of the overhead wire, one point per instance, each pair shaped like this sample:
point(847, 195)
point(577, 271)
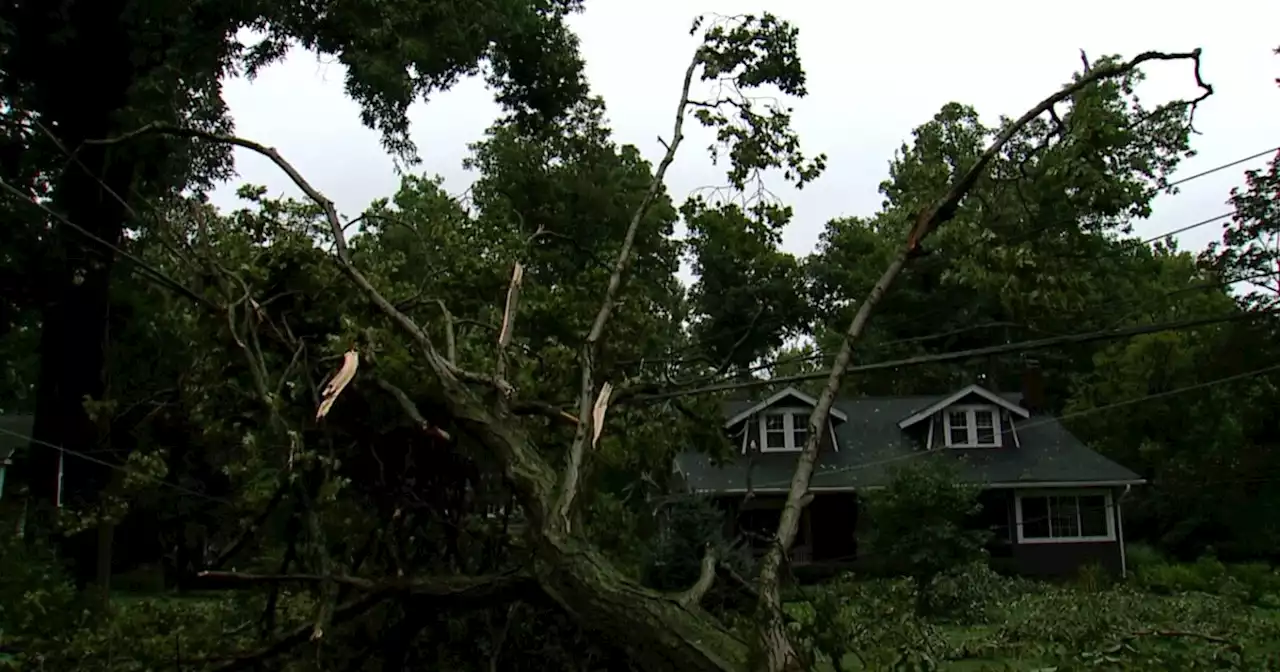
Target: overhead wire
point(110, 465)
point(1135, 244)
point(971, 353)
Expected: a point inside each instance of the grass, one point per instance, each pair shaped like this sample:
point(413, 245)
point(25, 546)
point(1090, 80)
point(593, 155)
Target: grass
point(1040, 626)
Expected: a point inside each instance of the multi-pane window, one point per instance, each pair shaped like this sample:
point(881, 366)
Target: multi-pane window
point(1045, 518)
point(971, 427)
point(783, 431)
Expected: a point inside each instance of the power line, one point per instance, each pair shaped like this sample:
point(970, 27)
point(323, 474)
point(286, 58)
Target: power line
point(1224, 166)
point(736, 331)
point(1044, 421)
point(1141, 301)
point(1037, 231)
point(124, 470)
point(1019, 347)
point(142, 268)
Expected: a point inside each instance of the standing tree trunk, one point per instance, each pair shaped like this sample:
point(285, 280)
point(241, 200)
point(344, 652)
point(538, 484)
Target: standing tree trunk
point(69, 105)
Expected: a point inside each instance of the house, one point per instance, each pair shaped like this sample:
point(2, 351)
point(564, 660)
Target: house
point(14, 430)
point(1052, 503)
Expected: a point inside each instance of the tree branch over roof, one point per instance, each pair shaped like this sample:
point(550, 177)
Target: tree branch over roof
point(780, 655)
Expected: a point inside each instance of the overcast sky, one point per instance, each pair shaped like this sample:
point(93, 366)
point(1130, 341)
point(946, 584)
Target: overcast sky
point(876, 71)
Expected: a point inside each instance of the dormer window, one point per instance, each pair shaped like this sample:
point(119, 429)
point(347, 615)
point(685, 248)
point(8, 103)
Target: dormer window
point(783, 431)
point(971, 427)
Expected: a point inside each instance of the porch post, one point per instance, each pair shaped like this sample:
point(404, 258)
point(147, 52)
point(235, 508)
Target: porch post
point(1124, 564)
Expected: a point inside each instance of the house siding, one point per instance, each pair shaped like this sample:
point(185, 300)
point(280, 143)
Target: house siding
point(834, 523)
point(1064, 559)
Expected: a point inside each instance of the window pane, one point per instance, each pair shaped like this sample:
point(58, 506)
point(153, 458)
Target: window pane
point(986, 425)
point(775, 440)
point(1093, 516)
point(801, 435)
point(959, 432)
point(1063, 517)
point(775, 421)
point(1035, 517)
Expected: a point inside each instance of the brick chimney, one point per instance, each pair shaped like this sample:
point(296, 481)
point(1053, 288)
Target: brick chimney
point(1032, 386)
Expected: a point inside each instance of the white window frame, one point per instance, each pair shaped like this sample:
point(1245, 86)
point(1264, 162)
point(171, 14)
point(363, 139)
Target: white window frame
point(1066, 492)
point(971, 412)
point(792, 419)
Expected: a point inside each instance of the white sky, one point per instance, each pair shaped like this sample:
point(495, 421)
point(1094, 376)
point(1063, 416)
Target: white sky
point(875, 72)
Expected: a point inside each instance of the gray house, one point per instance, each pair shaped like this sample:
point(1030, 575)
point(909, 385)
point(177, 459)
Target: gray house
point(1052, 502)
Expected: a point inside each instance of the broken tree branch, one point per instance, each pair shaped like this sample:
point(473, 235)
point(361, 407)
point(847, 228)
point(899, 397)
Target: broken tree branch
point(773, 633)
point(438, 586)
point(411, 409)
point(591, 347)
point(706, 577)
point(509, 317)
point(450, 334)
point(522, 464)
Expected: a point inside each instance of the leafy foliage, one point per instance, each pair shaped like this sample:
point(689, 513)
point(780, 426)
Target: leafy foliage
point(919, 525)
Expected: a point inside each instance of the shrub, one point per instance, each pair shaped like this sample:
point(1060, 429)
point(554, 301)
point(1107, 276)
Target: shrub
point(919, 525)
point(1139, 556)
point(1248, 583)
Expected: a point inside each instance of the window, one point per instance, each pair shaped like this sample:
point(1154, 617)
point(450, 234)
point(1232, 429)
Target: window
point(1045, 518)
point(972, 427)
point(782, 431)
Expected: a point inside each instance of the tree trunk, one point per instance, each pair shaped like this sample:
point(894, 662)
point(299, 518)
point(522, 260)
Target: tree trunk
point(106, 537)
point(75, 104)
point(656, 629)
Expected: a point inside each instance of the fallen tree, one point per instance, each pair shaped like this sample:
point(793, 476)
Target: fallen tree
point(662, 631)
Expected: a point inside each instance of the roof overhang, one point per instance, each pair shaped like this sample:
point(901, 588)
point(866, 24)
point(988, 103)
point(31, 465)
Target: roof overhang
point(777, 397)
point(984, 486)
point(1065, 484)
point(950, 400)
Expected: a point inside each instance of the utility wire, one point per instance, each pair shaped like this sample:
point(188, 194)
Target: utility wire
point(1134, 305)
point(1190, 178)
point(1125, 248)
point(124, 470)
point(1044, 421)
point(142, 268)
point(1019, 347)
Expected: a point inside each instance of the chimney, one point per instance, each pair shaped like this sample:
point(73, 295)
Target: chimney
point(1032, 386)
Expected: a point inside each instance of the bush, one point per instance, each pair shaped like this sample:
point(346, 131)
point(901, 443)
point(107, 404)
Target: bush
point(1139, 556)
point(920, 525)
point(1249, 583)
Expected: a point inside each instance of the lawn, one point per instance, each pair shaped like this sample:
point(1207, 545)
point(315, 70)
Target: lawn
point(1023, 626)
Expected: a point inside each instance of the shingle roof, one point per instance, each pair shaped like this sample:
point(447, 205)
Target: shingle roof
point(871, 444)
point(11, 425)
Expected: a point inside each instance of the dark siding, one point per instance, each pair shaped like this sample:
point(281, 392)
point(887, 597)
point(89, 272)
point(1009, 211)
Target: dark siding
point(1064, 560)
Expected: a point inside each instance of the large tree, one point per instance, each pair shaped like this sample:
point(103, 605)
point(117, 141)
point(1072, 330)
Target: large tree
point(76, 74)
point(1039, 248)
